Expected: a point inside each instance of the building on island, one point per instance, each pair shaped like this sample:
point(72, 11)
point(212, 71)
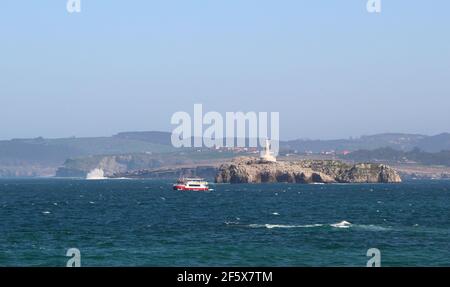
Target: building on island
point(267, 155)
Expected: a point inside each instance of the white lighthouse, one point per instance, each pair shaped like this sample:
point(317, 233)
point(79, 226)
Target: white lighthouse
point(267, 155)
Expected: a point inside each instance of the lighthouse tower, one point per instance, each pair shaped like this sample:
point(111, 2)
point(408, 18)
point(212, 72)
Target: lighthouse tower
point(267, 155)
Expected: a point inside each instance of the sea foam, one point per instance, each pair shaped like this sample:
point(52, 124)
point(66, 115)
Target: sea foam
point(96, 174)
point(270, 226)
point(342, 224)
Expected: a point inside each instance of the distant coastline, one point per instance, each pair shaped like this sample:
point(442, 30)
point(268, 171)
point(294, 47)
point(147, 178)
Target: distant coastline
point(151, 154)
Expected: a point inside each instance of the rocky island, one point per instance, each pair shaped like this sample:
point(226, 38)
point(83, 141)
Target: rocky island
point(255, 170)
point(267, 169)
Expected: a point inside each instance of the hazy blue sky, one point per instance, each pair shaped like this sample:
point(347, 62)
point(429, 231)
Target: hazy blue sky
point(330, 68)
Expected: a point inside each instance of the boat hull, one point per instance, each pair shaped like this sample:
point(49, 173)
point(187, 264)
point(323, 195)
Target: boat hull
point(187, 188)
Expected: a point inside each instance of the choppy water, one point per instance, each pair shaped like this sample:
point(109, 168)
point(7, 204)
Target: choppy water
point(145, 223)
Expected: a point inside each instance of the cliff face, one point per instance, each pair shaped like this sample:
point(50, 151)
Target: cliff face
point(251, 170)
point(110, 164)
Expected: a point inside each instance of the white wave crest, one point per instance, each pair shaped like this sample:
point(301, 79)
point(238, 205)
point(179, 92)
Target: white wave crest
point(270, 226)
point(96, 174)
point(342, 224)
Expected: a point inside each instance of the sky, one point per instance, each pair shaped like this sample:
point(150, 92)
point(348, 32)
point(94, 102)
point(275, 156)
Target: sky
point(330, 68)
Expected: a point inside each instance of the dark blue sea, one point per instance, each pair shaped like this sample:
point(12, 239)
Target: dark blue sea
point(146, 223)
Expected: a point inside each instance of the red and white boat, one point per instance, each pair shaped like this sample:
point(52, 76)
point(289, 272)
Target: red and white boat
point(191, 184)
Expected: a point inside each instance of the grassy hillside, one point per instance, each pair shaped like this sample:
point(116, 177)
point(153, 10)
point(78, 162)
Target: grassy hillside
point(395, 156)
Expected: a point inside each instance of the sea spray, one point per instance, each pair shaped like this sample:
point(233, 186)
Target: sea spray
point(96, 174)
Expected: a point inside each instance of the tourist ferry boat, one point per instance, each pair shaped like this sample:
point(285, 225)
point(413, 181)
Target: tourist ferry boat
point(191, 184)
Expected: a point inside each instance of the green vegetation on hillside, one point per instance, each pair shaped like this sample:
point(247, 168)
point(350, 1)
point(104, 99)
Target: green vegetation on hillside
point(395, 156)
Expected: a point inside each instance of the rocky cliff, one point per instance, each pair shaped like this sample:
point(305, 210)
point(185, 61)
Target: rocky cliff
point(110, 164)
point(252, 170)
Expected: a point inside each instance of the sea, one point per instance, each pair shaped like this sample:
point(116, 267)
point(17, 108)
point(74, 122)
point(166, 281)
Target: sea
point(124, 222)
